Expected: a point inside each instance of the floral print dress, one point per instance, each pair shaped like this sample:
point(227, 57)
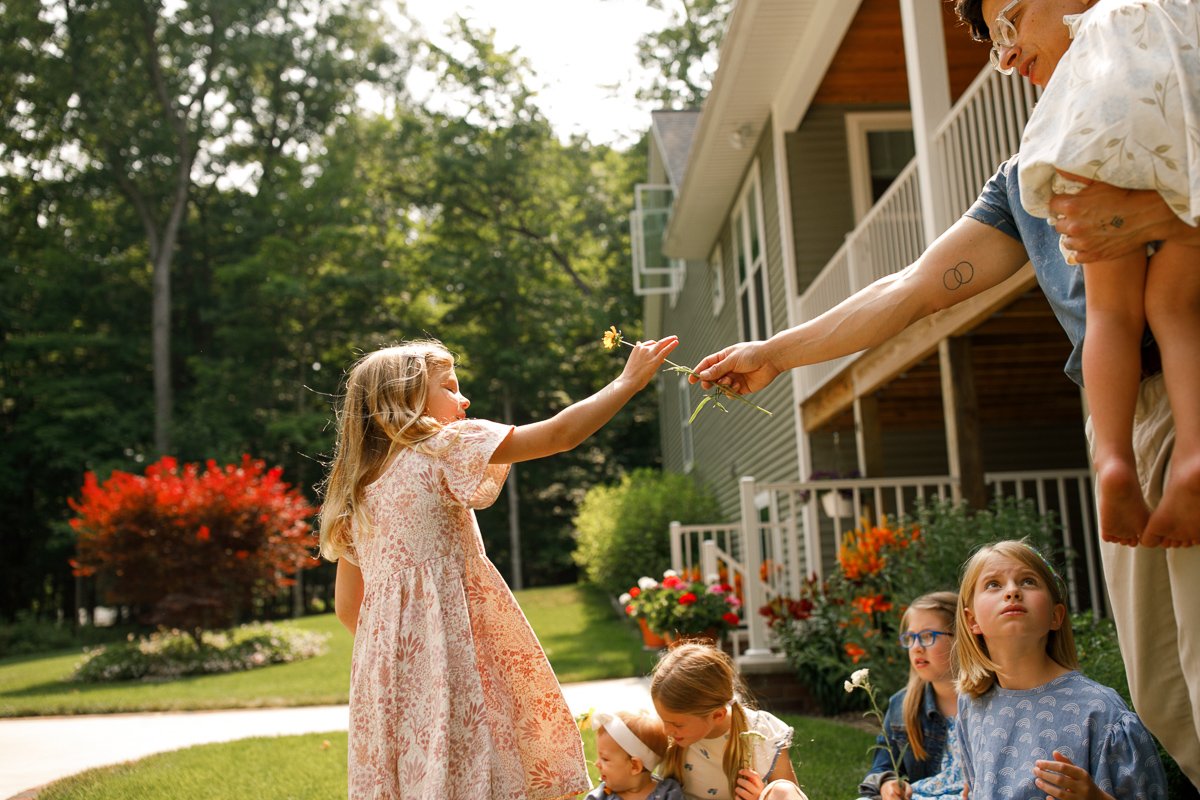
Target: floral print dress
point(451, 695)
point(1123, 106)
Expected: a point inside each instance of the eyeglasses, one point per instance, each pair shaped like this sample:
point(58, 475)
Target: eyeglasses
point(1004, 34)
point(925, 638)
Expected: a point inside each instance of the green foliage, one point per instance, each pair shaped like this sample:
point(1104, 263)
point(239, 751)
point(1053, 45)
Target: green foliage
point(852, 619)
point(173, 654)
point(682, 57)
point(27, 634)
point(622, 530)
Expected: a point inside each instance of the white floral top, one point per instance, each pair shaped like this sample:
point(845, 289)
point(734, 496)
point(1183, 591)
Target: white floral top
point(451, 696)
point(703, 767)
point(1123, 106)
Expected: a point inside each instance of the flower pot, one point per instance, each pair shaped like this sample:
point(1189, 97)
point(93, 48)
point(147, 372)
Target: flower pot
point(836, 505)
point(650, 639)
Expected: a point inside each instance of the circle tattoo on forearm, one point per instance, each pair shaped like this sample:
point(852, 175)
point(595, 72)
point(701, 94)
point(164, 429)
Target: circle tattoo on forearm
point(958, 275)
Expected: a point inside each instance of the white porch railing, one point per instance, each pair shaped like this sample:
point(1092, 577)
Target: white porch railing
point(782, 538)
point(982, 129)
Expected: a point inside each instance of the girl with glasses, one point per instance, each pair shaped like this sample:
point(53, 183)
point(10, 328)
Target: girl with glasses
point(1123, 108)
point(920, 717)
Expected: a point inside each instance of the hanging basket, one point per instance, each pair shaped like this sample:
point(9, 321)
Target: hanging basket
point(836, 505)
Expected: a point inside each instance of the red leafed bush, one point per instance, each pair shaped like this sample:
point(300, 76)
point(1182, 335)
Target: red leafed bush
point(190, 546)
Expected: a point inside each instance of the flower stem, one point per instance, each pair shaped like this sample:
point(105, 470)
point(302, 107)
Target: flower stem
point(719, 387)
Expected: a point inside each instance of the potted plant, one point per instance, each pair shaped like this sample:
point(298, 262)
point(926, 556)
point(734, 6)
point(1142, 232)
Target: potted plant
point(835, 502)
point(676, 607)
point(636, 603)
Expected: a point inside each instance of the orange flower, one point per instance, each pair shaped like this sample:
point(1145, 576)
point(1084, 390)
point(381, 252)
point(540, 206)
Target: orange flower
point(855, 652)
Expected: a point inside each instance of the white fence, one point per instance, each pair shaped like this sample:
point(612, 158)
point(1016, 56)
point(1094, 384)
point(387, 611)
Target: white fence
point(784, 537)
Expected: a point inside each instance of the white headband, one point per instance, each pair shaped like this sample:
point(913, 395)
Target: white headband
point(630, 743)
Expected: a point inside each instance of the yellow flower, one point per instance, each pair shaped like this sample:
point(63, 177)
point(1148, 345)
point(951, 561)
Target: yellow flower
point(612, 338)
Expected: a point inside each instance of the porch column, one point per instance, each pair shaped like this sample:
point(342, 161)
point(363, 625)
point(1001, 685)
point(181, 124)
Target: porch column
point(929, 96)
point(961, 409)
point(868, 436)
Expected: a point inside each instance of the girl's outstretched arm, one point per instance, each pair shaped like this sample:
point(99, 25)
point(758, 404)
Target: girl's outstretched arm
point(569, 427)
point(348, 594)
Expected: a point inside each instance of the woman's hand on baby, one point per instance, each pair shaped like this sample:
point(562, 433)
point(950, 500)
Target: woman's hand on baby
point(1062, 778)
point(749, 785)
point(646, 359)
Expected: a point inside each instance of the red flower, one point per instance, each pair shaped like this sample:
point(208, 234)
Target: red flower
point(634, 592)
point(855, 652)
point(672, 582)
point(630, 610)
point(687, 599)
point(731, 618)
point(204, 534)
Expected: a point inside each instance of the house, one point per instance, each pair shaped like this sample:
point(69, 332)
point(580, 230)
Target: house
point(839, 138)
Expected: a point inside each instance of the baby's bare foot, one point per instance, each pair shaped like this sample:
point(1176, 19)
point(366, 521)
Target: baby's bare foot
point(1176, 521)
point(1123, 510)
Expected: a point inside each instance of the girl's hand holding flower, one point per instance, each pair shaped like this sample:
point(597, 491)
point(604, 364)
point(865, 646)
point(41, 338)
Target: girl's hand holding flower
point(645, 361)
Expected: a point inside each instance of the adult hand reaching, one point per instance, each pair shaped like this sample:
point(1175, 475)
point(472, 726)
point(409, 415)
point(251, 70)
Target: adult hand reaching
point(743, 367)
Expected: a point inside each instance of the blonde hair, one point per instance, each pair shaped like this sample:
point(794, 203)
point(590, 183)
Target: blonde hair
point(914, 698)
point(647, 728)
point(697, 679)
point(382, 410)
point(976, 670)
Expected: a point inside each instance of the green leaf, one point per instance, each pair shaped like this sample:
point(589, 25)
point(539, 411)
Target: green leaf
point(703, 402)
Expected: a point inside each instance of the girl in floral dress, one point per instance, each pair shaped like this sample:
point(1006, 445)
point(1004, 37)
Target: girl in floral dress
point(1123, 107)
point(451, 695)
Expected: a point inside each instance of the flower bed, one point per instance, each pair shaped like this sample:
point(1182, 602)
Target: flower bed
point(171, 654)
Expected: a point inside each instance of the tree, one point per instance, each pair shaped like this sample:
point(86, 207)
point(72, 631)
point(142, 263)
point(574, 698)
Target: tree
point(156, 98)
point(192, 548)
point(525, 245)
point(683, 56)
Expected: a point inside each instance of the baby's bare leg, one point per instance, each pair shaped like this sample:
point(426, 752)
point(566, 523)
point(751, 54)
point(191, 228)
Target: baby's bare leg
point(1173, 311)
point(1111, 374)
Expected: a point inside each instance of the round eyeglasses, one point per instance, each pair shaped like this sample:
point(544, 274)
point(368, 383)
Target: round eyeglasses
point(925, 638)
point(1004, 34)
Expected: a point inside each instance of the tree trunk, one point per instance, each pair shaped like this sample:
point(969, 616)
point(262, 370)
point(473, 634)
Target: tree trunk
point(514, 509)
point(161, 338)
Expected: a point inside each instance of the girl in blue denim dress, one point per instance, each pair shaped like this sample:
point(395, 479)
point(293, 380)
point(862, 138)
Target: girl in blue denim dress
point(920, 717)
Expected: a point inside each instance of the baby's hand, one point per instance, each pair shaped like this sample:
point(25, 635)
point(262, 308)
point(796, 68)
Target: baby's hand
point(645, 360)
point(749, 784)
point(1061, 778)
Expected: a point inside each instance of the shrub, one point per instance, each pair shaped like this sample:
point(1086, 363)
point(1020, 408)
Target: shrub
point(171, 653)
point(27, 634)
point(622, 530)
point(852, 619)
point(189, 547)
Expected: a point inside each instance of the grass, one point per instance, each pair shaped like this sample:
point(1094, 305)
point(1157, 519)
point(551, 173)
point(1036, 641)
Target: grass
point(829, 758)
point(38, 685)
point(583, 638)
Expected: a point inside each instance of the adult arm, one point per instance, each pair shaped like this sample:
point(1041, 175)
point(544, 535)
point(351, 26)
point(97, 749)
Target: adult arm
point(1103, 222)
point(348, 594)
point(570, 427)
point(967, 259)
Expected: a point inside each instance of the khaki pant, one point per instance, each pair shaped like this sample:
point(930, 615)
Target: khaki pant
point(1155, 594)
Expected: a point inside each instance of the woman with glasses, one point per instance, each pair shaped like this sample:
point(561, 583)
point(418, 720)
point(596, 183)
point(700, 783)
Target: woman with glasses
point(1123, 108)
point(920, 717)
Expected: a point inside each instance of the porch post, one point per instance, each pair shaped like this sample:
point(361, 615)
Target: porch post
point(755, 597)
point(929, 96)
point(676, 546)
point(868, 436)
point(961, 409)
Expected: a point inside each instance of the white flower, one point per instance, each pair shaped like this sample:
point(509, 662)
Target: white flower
point(861, 677)
point(670, 574)
point(625, 598)
point(714, 578)
point(848, 686)
point(646, 584)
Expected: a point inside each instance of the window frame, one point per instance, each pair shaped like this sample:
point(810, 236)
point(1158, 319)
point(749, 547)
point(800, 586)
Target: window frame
point(746, 224)
point(858, 125)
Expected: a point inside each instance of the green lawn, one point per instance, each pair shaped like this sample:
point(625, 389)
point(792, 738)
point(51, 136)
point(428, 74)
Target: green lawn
point(583, 638)
point(829, 759)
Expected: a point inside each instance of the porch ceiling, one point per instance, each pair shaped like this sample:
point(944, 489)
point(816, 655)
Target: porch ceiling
point(772, 59)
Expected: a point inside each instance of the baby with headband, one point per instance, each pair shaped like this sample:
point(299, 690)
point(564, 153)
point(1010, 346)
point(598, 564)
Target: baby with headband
point(629, 745)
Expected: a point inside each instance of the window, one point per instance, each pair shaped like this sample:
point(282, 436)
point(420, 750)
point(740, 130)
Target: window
point(754, 308)
point(716, 275)
point(880, 147)
point(685, 430)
